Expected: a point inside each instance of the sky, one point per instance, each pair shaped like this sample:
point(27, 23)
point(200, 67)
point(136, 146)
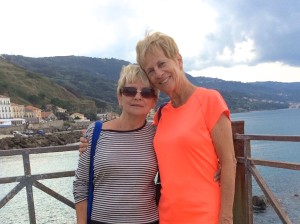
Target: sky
point(233, 40)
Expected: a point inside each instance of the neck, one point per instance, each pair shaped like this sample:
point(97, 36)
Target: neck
point(182, 94)
point(129, 122)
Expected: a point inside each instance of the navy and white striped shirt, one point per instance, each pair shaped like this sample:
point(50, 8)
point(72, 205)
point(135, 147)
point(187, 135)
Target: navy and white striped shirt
point(124, 170)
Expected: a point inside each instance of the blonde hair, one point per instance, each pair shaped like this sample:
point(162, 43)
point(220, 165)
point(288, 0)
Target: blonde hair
point(133, 73)
point(155, 41)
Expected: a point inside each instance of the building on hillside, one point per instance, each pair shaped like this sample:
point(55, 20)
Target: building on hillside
point(18, 110)
point(102, 117)
point(48, 116)
point(60, 110)
point(107, 116)
point(33, 114)
point(78, 117)
point(112, 115)
point(5, 107)
point(55, 109)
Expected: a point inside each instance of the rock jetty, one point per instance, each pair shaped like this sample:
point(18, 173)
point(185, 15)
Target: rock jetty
point(34, 141)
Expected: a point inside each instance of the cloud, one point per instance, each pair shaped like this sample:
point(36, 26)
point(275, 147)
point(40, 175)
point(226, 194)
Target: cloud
point(272, 28)
point(245, 73)
point(210, 34)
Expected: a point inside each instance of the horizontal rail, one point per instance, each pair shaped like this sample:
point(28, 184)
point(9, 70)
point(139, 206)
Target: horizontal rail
point(14, 152)
point(277, 164)
point(6, 180)
point(281, 138)
point(270, 163)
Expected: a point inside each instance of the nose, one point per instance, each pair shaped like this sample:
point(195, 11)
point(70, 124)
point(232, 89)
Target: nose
point(158, 72)
point(138, 95)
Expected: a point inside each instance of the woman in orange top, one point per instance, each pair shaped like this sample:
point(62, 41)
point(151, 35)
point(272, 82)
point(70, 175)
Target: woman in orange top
point(193, 135)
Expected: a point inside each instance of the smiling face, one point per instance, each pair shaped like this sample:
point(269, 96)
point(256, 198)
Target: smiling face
point(164, 73)
point(159, 56)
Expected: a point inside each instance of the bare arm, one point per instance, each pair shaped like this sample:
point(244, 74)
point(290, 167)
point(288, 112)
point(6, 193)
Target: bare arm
point(81, 212)
point(222, 139)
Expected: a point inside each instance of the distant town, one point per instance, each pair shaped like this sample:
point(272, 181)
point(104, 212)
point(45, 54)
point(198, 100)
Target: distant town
point(12, 114)
point(15, 114)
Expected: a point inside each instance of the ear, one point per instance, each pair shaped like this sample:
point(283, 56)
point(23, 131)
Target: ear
point(180, 61)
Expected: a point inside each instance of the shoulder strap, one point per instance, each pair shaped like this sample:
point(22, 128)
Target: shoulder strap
point(96, 134)
point(159, 111)
point(158, 118)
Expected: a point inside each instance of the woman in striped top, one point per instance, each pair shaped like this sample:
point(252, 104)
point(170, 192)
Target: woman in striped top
point(124, 164)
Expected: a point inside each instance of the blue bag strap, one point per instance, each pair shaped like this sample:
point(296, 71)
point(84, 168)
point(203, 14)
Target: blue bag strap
point(96, 134)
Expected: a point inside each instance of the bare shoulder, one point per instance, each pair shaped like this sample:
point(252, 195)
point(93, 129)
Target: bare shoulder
point(109, 124)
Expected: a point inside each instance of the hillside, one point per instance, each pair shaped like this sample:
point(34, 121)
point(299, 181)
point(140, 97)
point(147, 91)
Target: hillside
point(29, 88)
point(96, 78)
point(92, 78)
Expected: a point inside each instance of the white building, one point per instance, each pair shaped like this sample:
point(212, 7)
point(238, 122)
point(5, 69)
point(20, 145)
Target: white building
point(5, 107)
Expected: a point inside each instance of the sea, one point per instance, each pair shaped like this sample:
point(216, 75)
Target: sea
point(284, 183)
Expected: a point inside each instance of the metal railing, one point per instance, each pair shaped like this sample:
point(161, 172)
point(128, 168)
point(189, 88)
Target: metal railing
point(246, 168)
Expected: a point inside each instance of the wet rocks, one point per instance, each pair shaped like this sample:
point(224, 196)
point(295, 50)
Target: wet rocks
point(34, 141)
point(260, 203)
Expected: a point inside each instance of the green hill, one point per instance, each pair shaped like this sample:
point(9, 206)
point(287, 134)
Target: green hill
point(29, 88)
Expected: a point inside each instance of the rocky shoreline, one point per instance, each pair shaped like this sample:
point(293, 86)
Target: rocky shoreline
point(35, 141)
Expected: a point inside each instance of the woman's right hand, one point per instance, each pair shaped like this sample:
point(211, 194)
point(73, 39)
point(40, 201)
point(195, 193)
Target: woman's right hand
point(83, 144)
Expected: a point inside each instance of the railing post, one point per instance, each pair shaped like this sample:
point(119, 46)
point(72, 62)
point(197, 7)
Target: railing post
point(240, 208)
point(247, 164)
point(28, 179)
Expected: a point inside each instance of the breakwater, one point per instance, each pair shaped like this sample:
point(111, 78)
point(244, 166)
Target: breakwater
point(34, 141)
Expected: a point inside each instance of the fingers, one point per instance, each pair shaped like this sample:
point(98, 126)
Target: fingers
point(83, 143)
point(83, 147)
point(83, 140)
point(217, 176)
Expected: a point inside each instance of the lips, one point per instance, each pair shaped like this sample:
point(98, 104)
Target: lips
point(164, 81)
point(136, 105)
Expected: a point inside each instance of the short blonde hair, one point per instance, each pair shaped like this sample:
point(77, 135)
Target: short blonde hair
point(155, 41)
point(133, 73)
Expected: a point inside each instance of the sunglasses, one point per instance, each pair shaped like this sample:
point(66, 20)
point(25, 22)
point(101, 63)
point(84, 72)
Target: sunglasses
point(132, 91)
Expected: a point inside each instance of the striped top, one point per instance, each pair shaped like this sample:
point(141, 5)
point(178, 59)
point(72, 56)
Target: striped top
point(124, 170)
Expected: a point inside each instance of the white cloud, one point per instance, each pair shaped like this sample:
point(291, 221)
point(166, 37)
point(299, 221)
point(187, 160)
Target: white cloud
point(210, 34)
point(262, 72)
point(243, 52)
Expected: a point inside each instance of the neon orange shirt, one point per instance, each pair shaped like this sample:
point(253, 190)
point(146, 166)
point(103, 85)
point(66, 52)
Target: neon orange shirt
point(188, 161)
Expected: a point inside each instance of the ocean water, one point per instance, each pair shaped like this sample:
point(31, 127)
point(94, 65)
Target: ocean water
point(284, 183)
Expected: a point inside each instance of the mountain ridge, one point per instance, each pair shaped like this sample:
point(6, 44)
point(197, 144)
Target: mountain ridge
point(96, 79)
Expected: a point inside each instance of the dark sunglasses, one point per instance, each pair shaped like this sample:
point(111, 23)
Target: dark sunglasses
point(132, 91)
